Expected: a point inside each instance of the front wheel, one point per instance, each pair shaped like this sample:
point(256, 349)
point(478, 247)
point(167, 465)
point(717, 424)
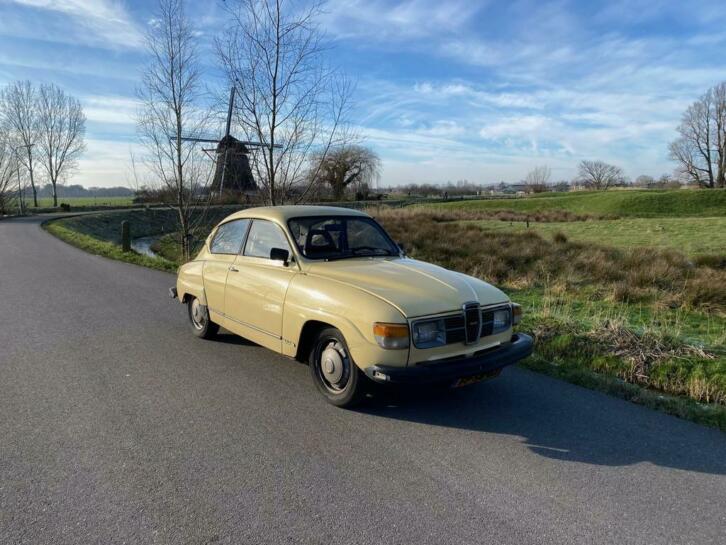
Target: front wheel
point(334, 372)
point(202, 326)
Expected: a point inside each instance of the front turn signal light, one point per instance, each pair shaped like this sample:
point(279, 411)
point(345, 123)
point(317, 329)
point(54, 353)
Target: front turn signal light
point(516, 313)
point(391, 335)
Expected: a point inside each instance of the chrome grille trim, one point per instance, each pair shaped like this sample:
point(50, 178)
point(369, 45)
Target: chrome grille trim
point(472, 321)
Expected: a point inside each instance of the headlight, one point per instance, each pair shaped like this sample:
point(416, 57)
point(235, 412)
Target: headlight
point(501, 320)
point(391, 335)
point(429, 334)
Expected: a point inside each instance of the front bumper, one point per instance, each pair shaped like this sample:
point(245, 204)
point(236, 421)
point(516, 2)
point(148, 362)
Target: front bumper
point(452, 369)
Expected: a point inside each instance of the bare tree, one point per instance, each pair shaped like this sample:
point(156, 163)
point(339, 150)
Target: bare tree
point(8, 171)
point(62, 128)
point(599, 175)
point(19, 114)
point(538, 178)
point(346, 165)
point(172, 111)
point(272, 51)
point(700, 150)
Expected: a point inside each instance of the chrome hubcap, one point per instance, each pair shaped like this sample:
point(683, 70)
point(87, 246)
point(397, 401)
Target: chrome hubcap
point(334, 366)
point(198, 315)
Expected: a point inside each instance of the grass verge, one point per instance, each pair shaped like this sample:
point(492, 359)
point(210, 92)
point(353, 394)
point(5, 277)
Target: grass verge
point(106, 249)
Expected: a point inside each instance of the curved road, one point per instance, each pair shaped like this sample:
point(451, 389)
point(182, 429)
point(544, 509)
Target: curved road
point(118, 426)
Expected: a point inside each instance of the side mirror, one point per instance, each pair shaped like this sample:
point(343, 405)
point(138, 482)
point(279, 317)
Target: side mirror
point(279, 254)
point(400, 247)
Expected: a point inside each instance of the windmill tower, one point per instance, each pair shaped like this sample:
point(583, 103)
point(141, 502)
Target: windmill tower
point(232, 172)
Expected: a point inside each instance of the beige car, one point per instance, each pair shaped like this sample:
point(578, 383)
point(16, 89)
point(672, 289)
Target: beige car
point(328, 286)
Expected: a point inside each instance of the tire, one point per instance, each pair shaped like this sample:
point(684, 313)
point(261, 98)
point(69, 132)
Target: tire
point(334, 372)
point(201, 325)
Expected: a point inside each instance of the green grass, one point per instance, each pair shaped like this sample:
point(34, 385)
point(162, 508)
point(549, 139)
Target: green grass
point(692, 236)
point(106, 226)
point(104, 248)
point(86, 201)
point(622, 203)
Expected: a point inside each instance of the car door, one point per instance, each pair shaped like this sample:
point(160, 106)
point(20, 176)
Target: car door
point(256, 286)
point(224, 248)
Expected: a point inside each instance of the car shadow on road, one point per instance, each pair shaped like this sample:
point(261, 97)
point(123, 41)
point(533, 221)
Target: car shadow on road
point(561, 421)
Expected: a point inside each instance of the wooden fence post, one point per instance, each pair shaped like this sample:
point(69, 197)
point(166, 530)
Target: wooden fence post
point(125, 236)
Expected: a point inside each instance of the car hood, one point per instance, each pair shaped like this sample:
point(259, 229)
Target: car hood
point(415, 288)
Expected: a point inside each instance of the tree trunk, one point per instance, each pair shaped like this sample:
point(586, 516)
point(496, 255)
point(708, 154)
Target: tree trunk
point(32, 179)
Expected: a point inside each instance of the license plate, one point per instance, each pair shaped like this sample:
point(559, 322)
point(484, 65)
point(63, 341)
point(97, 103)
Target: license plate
point(466, 381)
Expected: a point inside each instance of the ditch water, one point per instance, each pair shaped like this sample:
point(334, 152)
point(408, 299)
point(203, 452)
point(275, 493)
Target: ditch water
point(143, 245)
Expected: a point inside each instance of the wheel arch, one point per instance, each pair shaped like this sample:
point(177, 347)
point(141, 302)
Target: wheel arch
point(309, 331)
point(190, 282)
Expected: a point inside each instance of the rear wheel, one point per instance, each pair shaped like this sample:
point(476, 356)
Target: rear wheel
point(202, 326)
point(335, 374)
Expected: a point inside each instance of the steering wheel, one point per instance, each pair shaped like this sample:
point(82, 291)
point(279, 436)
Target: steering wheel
point(329, 243)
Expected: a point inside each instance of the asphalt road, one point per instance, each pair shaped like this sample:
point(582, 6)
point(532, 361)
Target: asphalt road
point(118, 426)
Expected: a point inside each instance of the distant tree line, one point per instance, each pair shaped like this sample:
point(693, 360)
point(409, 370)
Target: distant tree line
point(79, 191)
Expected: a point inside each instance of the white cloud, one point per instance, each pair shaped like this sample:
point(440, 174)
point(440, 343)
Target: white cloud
point(397, 21)
point(103, 22)
point(110, 109)
point(108, 163)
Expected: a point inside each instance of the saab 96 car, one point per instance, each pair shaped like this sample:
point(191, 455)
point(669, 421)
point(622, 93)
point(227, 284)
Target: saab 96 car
point(329, 287)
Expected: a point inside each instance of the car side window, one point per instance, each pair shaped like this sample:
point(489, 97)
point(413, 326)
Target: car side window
point(264, 236)
point(229, 237)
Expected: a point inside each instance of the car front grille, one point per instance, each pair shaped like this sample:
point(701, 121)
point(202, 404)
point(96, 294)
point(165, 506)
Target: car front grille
point(459, 331)
point(472, 322)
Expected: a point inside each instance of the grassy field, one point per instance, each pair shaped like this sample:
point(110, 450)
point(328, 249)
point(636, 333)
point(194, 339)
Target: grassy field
point(620, 203)
point(692, 236)
point(85, 201)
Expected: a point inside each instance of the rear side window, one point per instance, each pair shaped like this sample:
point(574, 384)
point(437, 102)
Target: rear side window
point(263, 237)
point(229, 237)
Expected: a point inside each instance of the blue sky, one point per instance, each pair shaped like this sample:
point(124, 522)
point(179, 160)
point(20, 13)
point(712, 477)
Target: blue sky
point(446, 90)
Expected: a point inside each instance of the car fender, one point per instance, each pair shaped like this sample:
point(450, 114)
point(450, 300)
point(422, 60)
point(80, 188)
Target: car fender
point(350, 310)
point(190, 282)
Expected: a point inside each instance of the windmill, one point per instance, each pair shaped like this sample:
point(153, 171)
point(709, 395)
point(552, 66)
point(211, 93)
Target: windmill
point(232, 171)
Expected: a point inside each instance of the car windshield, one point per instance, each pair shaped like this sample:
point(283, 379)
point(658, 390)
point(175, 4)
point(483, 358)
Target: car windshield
point(340, 237)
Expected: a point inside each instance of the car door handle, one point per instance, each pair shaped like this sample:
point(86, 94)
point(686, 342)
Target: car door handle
point(233, 269)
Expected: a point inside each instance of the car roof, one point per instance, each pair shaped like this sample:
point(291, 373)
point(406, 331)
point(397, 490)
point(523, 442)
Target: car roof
point(283, 213)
